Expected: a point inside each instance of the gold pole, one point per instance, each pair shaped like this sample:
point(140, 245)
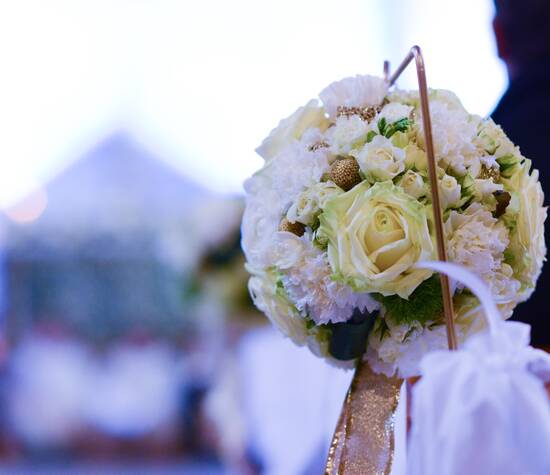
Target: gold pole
point(416, 54)
point(363, 440)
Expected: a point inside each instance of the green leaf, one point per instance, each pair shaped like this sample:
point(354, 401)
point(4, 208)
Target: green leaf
point(425, 304)
point(371, 135)
point(382, 124)
point(400, 125)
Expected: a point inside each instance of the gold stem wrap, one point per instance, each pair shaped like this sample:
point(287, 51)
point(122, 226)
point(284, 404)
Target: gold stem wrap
point(363, 442)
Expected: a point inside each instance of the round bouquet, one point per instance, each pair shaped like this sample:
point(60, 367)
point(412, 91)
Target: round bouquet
point(340, 215)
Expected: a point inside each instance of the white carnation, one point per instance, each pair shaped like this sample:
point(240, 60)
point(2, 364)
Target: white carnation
point(454, 132)
point(307, 280)
point(346, 133)
point(273, 189)
point(357, 91)
point(504, 287)
point(477, 240)
point(402, 349)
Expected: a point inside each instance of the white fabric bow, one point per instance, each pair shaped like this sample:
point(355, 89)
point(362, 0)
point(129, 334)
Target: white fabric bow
point(483, 409)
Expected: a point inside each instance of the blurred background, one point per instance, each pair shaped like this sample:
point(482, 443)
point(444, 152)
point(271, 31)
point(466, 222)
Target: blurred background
point(128, 343)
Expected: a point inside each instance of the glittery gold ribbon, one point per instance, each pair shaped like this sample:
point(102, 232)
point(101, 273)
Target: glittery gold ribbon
point(363, 442)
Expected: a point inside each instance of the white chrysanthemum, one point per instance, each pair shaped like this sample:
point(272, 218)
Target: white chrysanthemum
point(357, 91)
point(263, 290)
point(291, 129)
point(307, 280)
point(454, 132)
point(494, 141)
point(273, 189)
point(527, 239)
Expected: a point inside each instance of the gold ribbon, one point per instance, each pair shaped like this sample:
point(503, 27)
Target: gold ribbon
point(363, 442)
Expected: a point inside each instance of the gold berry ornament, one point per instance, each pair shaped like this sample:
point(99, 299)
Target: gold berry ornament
point(345, 173)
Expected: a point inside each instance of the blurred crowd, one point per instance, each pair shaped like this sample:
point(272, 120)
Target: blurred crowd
point(120, 314)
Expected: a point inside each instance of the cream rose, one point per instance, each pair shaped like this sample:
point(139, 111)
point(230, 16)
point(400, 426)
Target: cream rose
point(413, 184)
point(311, 201)
point(450, 191)
point(312, 115)
point(375, 236)
point(415, 158)
point(380, 160)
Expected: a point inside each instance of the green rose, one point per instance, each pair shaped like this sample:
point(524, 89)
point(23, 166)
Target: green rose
point(375, 237)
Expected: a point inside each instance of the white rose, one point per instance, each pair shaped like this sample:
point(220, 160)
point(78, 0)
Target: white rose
point(450, 191)
point(358, 91)
point(415, 157)
point(375, 237)
point(312, 115)
point(413, 184)
point(311, 201)
point(346, 134)
point(380, 160)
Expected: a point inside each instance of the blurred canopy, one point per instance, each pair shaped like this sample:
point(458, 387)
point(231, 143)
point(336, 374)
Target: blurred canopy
point(111, 249)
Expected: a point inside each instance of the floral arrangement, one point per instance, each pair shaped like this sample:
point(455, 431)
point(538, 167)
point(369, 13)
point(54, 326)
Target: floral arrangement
point(340, 214)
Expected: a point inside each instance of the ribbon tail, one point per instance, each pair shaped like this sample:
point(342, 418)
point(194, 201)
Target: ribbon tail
point(363, 442)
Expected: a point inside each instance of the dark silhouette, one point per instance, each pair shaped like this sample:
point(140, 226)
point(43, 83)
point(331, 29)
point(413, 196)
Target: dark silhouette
point(522, 30)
